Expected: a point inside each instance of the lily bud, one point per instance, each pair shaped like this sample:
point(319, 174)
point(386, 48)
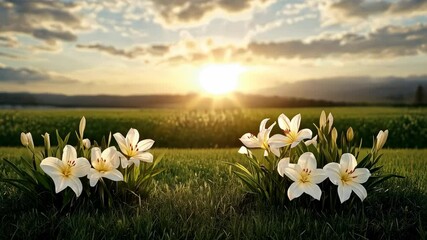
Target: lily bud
point(82, 126)
point(46, 138)
point(86, 143)
point(330, 121)
point(322, 120)
point(350, 134)
point(24, 139)
point(381, 139)
point(27, 140)
point(334, 135)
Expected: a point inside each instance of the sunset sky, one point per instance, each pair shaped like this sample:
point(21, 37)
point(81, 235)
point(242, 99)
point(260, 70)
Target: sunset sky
point(163, 46)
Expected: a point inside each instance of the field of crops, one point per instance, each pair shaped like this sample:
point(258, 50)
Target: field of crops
point(211, 129)
point(197, 198)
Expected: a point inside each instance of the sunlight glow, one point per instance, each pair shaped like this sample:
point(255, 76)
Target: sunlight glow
point(220, 79)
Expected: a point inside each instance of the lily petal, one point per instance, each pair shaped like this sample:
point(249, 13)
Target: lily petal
point(282, 165)
point(284, 122)
point(75, 185)
point(109, 154)
point(318, 175)
point(359, 190)
point(304, 134)
point(294, 191)
point(95, 155)
point(81, 168)
point(344, 192)
point(133, 160)
point(292, 173)
point(312, 190)
point(333, 171)
point(348, 162)
point(275, 151)
point(295, 123)
point(361, 175)
point(277, 141)
point(121, 141)
point(51, 166)
point(93, 177)
point(144, 156)
point(114, 175)
point(250, 141)
point(132, 137)
point(307, 160)
point(123, 160)
point(69, 153)
point(145, 144)
point(263, 123)
point(93, 180)
point(60, 183)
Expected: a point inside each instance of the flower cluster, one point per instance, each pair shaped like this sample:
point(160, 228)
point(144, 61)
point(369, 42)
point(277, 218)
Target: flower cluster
point(304, 162)
point(83, 167)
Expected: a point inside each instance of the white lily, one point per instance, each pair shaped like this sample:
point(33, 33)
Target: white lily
point(66, 172)
point(261, 140)
point(381, 139)
point(86, 143)
point(133, 149)
point(27, 140)
point(105, 165)
point(305, 175)
point(82, 126)
point(323, 121)
point(293, 136)
point(347, 177)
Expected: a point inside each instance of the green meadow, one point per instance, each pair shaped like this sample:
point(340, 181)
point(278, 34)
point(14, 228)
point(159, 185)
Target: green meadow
point(176, 128)
point(198, 197)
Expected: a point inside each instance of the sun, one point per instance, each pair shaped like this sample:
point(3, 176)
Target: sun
point(219, 79)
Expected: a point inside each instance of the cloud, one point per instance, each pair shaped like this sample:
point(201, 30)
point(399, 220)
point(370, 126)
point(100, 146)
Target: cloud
point(359, 10)
point(28, 75)
point(386, 42)
point(382, 43)
point(152, 50)
point(181, 13)
point(8, 55)
point(8, 41)
point(49, 21)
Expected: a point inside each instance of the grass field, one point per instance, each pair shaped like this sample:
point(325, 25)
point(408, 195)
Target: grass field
point(197, 198)
point(175, 128)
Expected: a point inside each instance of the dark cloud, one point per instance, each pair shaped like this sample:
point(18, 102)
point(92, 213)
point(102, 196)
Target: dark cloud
point(171, 13)
point(27, 75)
point(390, 41)
point(49, 21)
point(361, 9)
point(152, 50)
point(49, 35)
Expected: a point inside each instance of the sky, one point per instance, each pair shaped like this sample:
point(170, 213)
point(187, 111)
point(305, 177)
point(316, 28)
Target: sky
point(126, 47)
